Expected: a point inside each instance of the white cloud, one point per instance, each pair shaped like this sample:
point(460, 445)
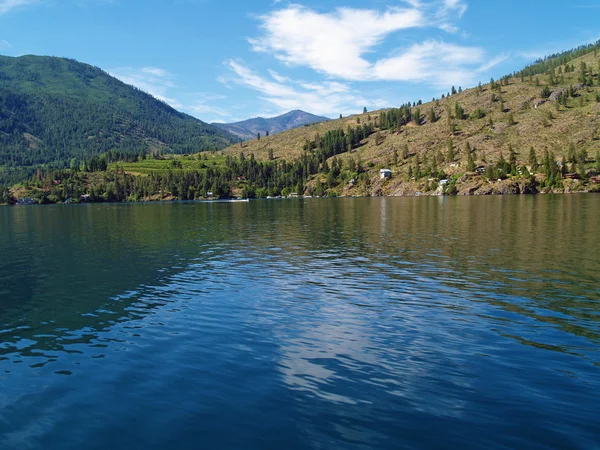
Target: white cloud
point(9, 5)
point(4, 44)
point(332, 43)
point(277, 77)
point(437, 63)
point(152, 80)
point(458, 5)
point(338, 44)
point(328, 98)
point(160, 84)
point(160, 73)
point(208, 113)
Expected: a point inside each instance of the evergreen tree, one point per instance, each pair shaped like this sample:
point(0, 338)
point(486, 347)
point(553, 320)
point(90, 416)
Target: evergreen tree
point(431, 116)
point(417, 116)
point(459, 111)
point(533, 159)
point(450, 152)
point(405, 152)
point(470, 162)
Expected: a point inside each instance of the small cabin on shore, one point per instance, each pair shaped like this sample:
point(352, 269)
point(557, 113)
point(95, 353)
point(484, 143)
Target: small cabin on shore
point(385, 174)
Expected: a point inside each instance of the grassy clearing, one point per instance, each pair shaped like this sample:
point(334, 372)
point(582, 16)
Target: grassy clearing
point(171, 163)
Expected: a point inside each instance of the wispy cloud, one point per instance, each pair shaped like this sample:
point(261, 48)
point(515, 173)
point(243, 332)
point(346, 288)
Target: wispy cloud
point(4, 44)
point(9, 5)
point(328, 97)
point(459, 6)
point(153, 80)
point(160, 83)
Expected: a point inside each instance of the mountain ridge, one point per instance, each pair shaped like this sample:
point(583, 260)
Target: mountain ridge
point(249, 128)
point(53, 110)
point(533, 131)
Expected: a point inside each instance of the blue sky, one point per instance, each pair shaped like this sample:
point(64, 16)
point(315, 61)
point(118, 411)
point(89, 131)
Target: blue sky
point(227, 61)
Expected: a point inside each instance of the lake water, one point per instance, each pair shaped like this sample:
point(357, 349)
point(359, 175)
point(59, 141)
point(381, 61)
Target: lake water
point(421, 323)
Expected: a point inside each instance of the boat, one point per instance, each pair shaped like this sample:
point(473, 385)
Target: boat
point(231, 200)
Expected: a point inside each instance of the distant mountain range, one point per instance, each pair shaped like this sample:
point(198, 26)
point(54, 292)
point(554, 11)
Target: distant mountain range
point(249, 129)
point(54, 110)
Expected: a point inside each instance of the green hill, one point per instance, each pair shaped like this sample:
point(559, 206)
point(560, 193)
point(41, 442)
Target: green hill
point(54, 109)
point(536, 130)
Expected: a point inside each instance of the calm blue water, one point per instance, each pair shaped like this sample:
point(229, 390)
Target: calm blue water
point(313, 324)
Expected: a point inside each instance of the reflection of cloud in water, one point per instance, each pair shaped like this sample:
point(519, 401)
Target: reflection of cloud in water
point(349, 349)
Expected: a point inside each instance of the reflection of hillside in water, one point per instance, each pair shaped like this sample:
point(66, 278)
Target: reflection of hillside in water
point(534, 257)
point(73, 271)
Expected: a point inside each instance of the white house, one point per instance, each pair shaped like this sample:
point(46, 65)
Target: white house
point(385, 173)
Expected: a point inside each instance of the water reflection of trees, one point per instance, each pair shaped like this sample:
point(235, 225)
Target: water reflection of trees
point(535, 256)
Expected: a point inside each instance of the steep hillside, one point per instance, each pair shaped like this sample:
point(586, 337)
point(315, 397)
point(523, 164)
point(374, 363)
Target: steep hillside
point(249, 129)
point(537, 130)
point(55, 109)
point(552, 106)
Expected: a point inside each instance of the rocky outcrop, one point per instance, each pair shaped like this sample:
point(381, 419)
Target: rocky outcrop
point(558, 93)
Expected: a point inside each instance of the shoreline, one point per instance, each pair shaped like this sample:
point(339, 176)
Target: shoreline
point(247, 200)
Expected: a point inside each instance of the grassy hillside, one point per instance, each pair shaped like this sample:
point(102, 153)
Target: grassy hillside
point(537, 130)
point(53, 110)
point(512, 113)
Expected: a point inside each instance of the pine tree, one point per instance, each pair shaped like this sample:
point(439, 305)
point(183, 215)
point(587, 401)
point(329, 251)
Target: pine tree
point(470, 162)
point(431, 117)
point(512, 158)
point(258, 136)
point(417, 116)
point(510, 120)
point(450, 153)
point(533, 159)
point(459, 111)
point(365, 110)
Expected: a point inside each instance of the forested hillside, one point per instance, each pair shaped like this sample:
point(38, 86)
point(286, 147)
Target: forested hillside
point(61, 112)
point(534, 131)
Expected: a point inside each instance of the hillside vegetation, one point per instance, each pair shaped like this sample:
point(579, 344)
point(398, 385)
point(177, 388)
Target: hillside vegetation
point(59, 112)
point(536, 130)
point(550, 108)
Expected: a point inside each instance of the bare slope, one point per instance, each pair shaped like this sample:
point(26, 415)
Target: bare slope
point(513, 112)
